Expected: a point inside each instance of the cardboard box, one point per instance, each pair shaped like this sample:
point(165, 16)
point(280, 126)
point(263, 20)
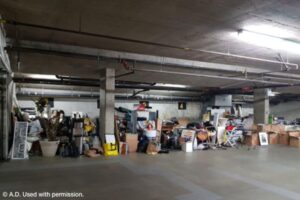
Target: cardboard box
point(132, 141)
point(276, 128)
point(254, 127)
point(264, 128)
point(284, 138)
point(273, 137)
point(183, 121)
point(159, 125)
point(295, 141)
point(294, 133)
point(252, 140)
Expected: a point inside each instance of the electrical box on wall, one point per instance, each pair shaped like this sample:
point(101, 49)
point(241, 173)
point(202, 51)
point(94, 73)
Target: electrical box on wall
point(222, 100)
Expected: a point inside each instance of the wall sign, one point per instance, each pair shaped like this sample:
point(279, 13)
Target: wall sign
point(181, 105)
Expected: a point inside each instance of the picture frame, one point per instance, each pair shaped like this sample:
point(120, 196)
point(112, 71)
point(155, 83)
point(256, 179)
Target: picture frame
point(263, 138)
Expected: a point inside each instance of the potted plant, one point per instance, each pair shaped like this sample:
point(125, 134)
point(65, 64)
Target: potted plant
point(50, 143)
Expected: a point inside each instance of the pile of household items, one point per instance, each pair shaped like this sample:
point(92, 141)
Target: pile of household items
point(149, 134)
point(270, 134)
point(51, 133)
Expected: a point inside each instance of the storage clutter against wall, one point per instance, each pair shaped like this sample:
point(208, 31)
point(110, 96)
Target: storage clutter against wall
point(45, 131)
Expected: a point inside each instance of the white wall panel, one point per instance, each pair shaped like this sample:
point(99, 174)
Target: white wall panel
point(166, 109)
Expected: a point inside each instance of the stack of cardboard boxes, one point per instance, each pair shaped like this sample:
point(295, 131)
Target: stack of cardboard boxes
point(294, 139)
point(277, 134)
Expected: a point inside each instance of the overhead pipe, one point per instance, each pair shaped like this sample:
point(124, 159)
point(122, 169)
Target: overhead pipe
point(240, 90)
point(249, 58)
point(166, 63)
point(125, 74)
point(117, 97)
point(120, 85)
point(213, 76)
point(143, 86)
point(93, 80)
point(13, 22)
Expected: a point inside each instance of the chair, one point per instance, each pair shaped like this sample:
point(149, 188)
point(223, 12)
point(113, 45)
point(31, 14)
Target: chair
point(232, 136)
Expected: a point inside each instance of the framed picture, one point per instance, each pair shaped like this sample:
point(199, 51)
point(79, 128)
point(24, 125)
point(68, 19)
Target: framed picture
point(263, 138)
point(181, 105)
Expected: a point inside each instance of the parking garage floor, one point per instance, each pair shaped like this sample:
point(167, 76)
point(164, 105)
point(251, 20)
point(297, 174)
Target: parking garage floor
point(263, 173)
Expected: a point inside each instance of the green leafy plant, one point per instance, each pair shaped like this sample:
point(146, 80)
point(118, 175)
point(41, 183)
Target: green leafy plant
point(41, 103)
point(51, 126)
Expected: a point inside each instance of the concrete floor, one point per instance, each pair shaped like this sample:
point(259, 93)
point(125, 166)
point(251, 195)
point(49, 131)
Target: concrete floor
point(263, 173)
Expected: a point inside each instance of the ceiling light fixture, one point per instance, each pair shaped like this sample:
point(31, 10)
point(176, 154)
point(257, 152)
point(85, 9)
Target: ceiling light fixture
point(270, 30)
point(170, 85)
point(272, 93)
point(42, 76)
point(269, 40)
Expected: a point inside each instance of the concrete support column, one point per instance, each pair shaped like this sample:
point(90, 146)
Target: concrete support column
point(261, 106)
point(6, 99)
point(107, 102)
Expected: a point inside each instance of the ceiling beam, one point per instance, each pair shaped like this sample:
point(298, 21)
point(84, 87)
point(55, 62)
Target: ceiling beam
point(159, 60)
point(141, 58)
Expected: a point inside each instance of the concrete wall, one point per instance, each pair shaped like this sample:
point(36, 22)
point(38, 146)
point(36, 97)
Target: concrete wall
point(68, 106)
point(89, 106)
point(289, 110)
point(168, 110)
point(247, 109)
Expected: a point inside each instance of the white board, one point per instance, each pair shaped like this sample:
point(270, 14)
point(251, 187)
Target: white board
point(19, 150)
point(263, 138)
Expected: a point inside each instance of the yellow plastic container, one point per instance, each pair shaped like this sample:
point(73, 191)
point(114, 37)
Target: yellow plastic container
point(110, 149)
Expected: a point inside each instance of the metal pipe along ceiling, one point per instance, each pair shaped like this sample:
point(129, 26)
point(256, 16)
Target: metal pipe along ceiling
point(117, 97)
point(96, 83)
point(92, 53)
point(214, 76)
point(12, 22)
point(181, 63)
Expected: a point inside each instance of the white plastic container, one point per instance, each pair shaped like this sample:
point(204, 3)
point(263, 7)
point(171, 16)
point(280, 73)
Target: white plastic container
point(187, 147)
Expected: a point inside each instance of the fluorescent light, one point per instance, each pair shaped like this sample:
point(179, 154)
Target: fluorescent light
point(270, 30)
point(272, 93)
point(268, 41)
point(42, 76)
point(170, 85)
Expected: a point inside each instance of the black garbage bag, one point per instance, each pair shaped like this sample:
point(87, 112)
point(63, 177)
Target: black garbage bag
point(143, 144)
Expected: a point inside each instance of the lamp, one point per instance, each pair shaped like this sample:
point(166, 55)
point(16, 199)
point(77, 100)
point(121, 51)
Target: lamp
point(269, 40)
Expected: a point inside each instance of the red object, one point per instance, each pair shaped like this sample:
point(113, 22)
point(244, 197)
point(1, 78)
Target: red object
point(247, 89)
point(141, 107)
point(125, 64)
point(230, 128)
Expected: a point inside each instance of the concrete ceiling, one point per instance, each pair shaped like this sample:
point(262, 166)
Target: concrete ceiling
point(198, 24)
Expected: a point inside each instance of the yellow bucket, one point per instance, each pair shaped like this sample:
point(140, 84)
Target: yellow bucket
point(110, 149)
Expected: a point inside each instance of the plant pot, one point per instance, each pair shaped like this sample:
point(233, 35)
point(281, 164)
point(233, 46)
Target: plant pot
point(49, 148)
